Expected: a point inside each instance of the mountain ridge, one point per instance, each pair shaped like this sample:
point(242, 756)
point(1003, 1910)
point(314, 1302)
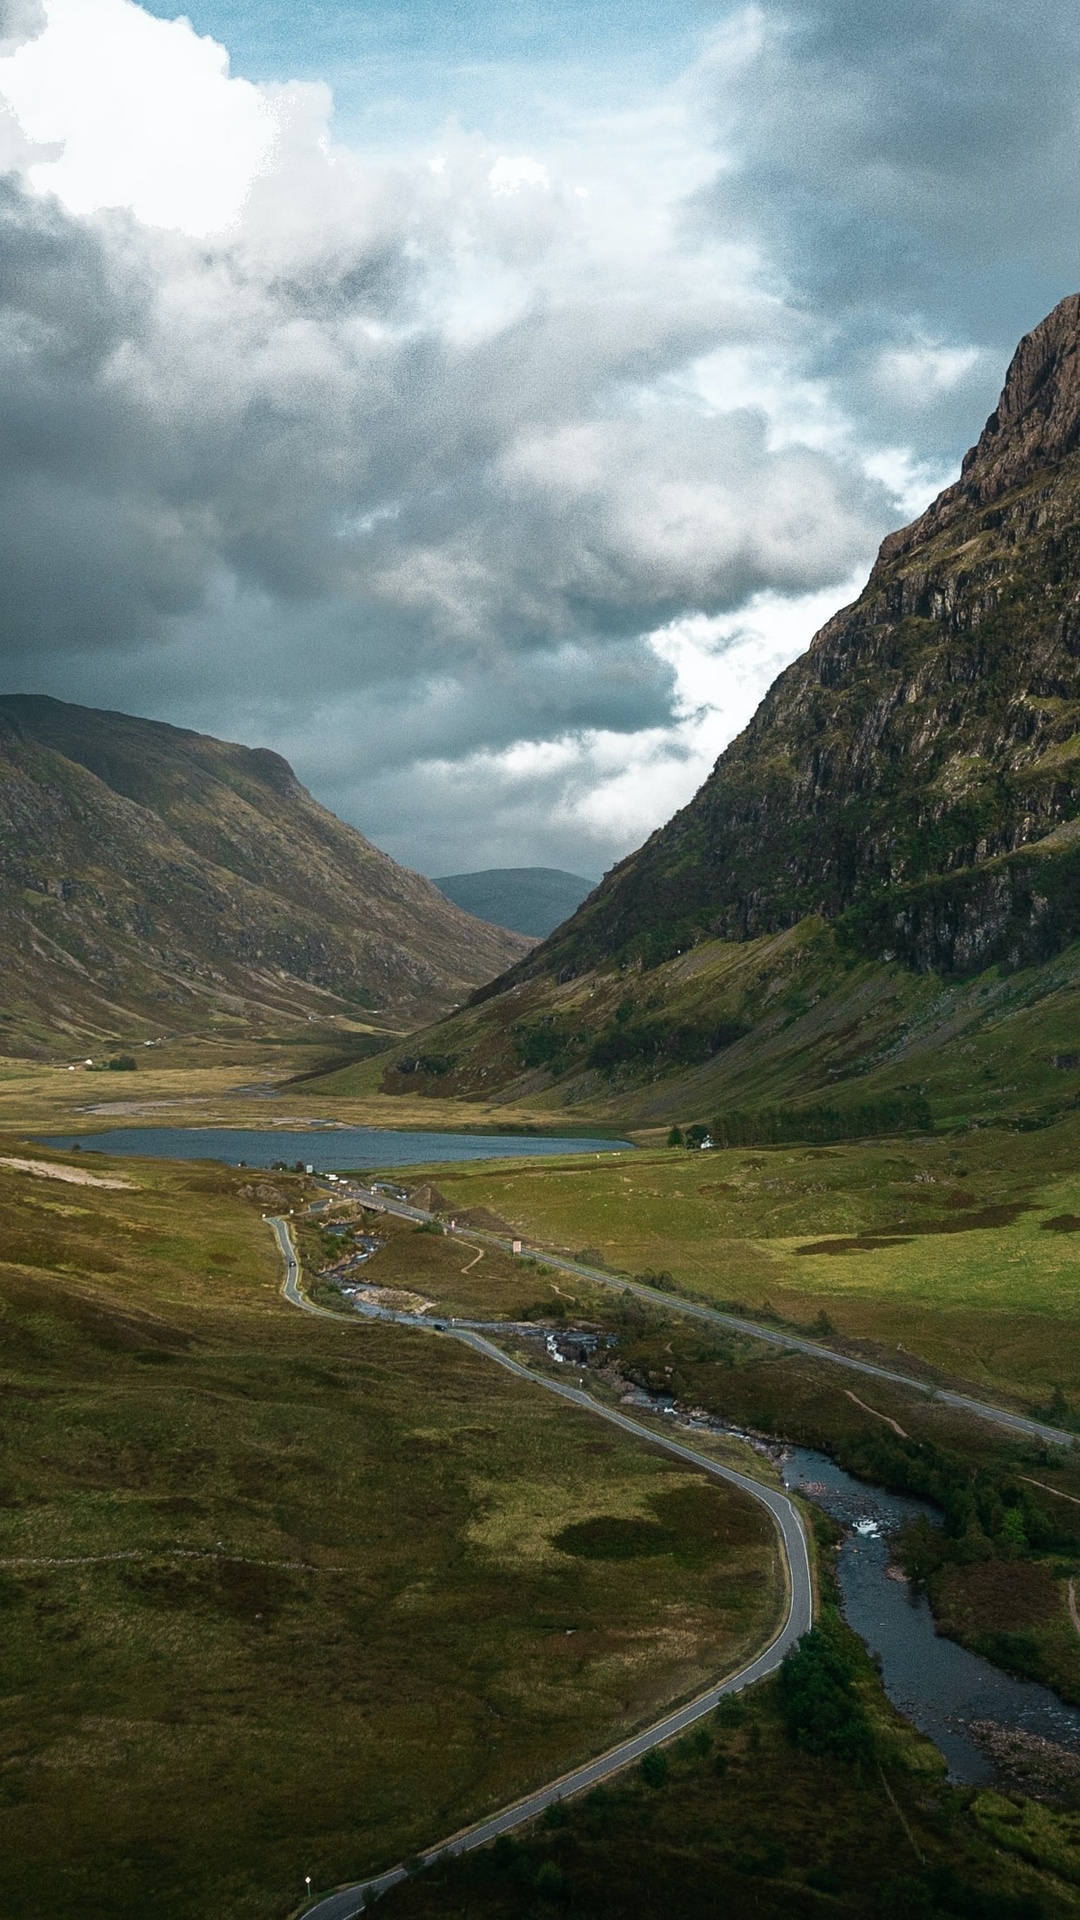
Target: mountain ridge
point(931, 730)
point(895, 837)
point(150, 874)
point(529, 900)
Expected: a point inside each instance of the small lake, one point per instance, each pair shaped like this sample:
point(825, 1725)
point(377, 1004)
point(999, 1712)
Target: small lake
point(941, 1687)
point(329, 1149)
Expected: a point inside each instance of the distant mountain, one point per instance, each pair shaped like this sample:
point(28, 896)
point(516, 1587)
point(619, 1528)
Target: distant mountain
point(877, 890)
point(154, 879)
point(531, 900)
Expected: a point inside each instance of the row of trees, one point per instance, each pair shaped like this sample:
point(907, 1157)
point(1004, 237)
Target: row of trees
point(811, 1126)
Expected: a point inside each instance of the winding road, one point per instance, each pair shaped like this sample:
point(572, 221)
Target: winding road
point(349, 1901)
point(735, 1323)
point(346, 1902)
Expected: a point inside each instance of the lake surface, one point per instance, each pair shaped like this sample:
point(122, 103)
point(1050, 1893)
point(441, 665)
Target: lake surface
point(329, 1149)
point(941, 1687)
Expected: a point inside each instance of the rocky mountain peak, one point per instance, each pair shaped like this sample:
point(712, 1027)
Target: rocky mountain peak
point(916, 775)
point(1035, 424)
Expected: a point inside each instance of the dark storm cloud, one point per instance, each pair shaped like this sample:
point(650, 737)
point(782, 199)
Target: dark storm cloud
point(89, 546)
point(909, 166)
point(405, 468)
point(402, 507)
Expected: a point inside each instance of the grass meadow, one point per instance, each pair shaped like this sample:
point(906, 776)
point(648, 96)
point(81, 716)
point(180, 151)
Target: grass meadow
point(961, 1251)
point(282, 1596)
point(744, 1824)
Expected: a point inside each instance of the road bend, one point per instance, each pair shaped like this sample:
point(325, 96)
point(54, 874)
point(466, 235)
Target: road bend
point(346, 1902)
point(735, 1323)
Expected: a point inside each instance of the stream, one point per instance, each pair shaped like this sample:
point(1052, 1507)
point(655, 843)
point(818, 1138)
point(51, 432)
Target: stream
point(964, 1704)
point(939, 1686)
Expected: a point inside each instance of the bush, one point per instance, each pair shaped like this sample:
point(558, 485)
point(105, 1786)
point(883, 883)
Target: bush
point(675, 1137)
point(549, 1881)
point(654, 1767)
point(658, 1043)
point(544, 1045)
point(123, 1063)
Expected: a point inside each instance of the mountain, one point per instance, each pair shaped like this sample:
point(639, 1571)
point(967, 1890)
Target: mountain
point(883, 870)
point(530, 900)
point(915, 777)
point(152, 878)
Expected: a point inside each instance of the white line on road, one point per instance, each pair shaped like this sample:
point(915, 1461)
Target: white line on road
point(346, 1902)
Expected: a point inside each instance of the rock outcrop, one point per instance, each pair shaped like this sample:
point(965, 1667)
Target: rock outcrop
point(915, 777)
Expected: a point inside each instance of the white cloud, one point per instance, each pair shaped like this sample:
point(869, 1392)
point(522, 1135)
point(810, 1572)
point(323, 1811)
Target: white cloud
point(510, 175)
point(491, 481)
point(145, 114)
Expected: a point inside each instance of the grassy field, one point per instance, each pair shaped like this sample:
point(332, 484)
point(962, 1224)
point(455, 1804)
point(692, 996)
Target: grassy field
point(962, 1252)
point(928, 1254)
point(198, 1083)
point(286, 1597)
point(1008, 1595)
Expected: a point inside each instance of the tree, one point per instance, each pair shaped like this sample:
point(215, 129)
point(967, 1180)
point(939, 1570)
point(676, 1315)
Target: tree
point(823, 1712)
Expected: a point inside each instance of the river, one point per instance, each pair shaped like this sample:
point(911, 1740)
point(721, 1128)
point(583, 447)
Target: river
point(941, 1687)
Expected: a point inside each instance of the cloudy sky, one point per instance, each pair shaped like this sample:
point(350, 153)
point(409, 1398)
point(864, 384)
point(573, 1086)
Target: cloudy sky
point(480, 403)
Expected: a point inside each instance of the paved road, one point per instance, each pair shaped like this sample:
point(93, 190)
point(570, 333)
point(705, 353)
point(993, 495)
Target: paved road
point(349, 1901)
point(676, 1303)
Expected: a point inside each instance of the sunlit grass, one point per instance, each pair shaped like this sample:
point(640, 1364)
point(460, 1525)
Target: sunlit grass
point(958, 1250)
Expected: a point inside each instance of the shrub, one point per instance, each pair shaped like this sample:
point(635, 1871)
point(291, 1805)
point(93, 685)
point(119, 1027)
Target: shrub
point(544, 1045)
point(549, 1881)
point(654, 1767)
point(783, 1126)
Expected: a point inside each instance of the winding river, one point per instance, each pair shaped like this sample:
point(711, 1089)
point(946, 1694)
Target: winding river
point(941, 1687)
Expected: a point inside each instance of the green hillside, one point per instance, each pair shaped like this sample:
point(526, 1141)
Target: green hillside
point(875, 897)
point(286, 1594)
point(155, 880)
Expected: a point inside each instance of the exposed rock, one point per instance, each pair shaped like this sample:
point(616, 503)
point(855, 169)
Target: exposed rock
point(915, 777)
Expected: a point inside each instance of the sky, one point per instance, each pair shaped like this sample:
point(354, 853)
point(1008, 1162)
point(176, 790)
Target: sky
point(480, 404)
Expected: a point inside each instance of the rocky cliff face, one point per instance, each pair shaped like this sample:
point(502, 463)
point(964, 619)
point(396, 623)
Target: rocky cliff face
point(915, 777)
point(148, 874)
